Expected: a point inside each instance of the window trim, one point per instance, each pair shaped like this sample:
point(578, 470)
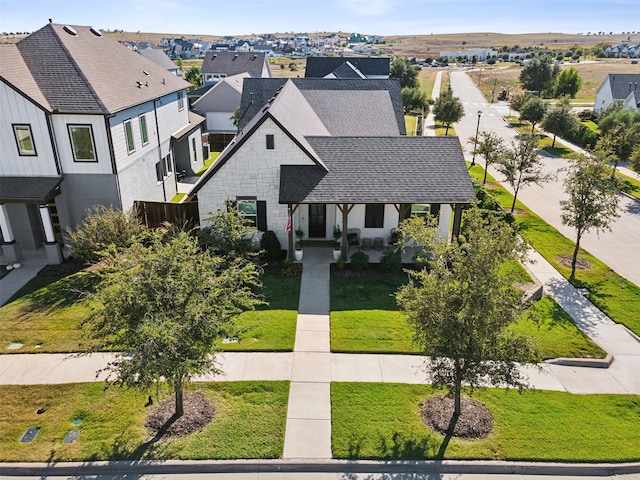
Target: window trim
point(370, 220)
point(34, 152)
point(270, 139)
point(128, 129)
point(180, 101)
point(253, 217)
point(88, 126)
point(144, 132)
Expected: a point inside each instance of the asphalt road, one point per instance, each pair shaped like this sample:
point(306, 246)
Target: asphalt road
point(618, 248)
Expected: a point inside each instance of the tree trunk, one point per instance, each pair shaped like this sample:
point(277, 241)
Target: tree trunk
point(553, 144)
point(575, 258)
point(533, 127)
point(177, 385)
point(446, 132)
point(486, 167)
point(515, 196)
point(457, 405)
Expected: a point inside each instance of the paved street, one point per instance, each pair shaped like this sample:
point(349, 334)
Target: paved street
point(618, 248)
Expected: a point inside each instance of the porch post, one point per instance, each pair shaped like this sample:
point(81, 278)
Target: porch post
point(290, 232)
point(54, 252)
point(10, 248)
point(345, 224)
point(457, 218)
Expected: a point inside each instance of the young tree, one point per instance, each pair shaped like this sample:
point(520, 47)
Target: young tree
point(101, 229)
point(448, 109)
point(593, 199)
point(539, 75)
point(461, 307)
point(491, 148)
point(533, 110)
point(521, 166)
point(167, 304)
point(618, 143)
point(194, 77)
point(402, 69)
point(559, 120)
point(414, 99)
point(568, 83)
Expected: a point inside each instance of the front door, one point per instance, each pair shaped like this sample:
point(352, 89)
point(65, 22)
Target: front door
point(317, 220)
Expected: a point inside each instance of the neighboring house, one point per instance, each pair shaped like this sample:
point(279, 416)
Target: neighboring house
point(618, 87)
point(218, 65)
point(85, 122)
point(218, 105)
point(158, 56)
point(333, 67)
point(329, 152)
point(481, 53)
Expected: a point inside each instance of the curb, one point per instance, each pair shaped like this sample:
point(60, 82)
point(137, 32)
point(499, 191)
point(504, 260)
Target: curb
point(582, 362)
point(315, 465)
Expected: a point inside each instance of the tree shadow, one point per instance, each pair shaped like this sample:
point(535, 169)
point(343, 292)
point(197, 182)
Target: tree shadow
point(54, 293)
point(406, 448)
point(447, 438)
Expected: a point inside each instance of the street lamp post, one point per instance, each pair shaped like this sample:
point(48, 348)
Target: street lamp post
point(475, 144)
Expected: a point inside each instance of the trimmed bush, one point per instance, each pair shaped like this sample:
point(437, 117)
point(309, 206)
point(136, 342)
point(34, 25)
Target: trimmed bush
point(391, 261)
point(359, 261)
point(270, 246)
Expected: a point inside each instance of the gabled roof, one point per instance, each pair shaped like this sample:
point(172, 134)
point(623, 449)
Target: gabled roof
point(380, 170)
point(232, 63)
point(319, 67)
point(623, 84)
point(77, 70)
point(346, 70)
point(158, 56)
point(346, 107)
point(15, 72)
point(235, 82)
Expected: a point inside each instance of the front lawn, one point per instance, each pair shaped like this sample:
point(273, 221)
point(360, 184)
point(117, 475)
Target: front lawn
point(366, 319)
point(383, 421)
point(249, 422)
point(613, 294)
point(45, 316)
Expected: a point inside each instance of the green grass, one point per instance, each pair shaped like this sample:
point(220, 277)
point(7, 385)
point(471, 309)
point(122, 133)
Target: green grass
point(177, 198)
point(383, 421)
point(441, 129)
point(613, 294)
point(629, 185)
point(366, 319)
point(45, 316)
point(249, 422)
point(213, 156)
point(410, 122)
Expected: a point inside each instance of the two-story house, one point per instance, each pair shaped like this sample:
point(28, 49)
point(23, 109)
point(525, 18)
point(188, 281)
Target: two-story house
point(219, 65)
point(85, 121)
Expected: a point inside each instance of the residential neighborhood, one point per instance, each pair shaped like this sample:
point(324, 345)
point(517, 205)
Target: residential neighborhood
point(318, 253)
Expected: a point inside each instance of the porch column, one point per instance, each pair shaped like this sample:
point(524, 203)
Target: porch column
point(444, 222)
point(290, 231)
point(54, 252)
point(345, 209)
point(10, 248)
point(457, 218)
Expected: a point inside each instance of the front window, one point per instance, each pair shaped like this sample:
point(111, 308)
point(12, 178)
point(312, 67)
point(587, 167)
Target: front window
point(270, 142)
point(128, 131)
point(180, 101)
point(82, 143)
point(249, 210)
point(143, 129)
point(167, 165)
point(24, 140)
point(374, 215)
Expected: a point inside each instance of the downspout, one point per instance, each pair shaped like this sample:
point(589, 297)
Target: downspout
point(155, 114)
point(112, 155)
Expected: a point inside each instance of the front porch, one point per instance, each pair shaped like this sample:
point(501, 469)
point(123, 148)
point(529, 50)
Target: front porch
point(318, 252)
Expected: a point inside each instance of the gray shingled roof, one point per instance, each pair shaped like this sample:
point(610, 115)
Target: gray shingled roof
point(28, 189)
point(347, 97)
point(319, 67)
point(622, 84)
point(346, 70)
point(158, 56)
point(14, 71)
point(380, 170)
point(89, 73)
point(232, 63)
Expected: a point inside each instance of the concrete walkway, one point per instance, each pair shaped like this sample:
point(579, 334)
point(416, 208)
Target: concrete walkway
point(429, 127)
point(30, 265)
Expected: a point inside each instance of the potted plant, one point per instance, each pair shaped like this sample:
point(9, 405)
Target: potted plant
point(337, 238)
point(298, 253)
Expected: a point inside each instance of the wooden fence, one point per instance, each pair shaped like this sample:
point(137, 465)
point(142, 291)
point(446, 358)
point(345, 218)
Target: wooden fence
point(155, 214)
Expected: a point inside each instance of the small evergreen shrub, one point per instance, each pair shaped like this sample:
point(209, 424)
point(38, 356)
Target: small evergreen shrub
point(391, 261)
point(270, 246)
point(340, 263)
point(359, 261)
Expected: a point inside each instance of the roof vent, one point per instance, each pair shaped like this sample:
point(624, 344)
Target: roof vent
point(145, 72)
point(97, 33)
point(139, 83)
point(235, 56)
point(70, 30)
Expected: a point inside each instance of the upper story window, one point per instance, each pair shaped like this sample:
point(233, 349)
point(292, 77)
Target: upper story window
point(180, 101)
point(270, 142)
point(143, 129)
point(82, 144)
point(248, 207)
point(128, 132)
point(374, 215)
point(24, 140)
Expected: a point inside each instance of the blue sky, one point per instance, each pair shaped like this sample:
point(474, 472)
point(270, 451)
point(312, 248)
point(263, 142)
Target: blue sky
point(383, 17)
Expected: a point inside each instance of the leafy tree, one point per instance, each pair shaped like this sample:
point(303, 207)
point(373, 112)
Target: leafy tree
point(521, 165)
point(167, 304)
point(179, 63)
point(101, 229)
point(461, 306)
point(568, 82)
point(448, 109)
point(559, 120)
point(619, 139)
point(194, 77)
point(533, 110)
point(593, 199)
point(491, 148)
point(539, 75)
point(635, 158)
point(414, 99)
point(402, 69)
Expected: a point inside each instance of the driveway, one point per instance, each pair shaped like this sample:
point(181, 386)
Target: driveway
point(618, 248)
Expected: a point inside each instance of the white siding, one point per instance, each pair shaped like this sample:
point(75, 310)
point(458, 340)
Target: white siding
point(101, 144)
point(220, 123)
point(116, 124)
point(15, 109)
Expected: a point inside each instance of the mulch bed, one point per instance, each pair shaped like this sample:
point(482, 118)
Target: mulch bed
point(475, 420)
point(581, 264)
point(65, 268)
point(198, 413)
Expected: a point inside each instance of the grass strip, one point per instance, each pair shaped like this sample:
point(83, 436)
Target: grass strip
point(383, 421)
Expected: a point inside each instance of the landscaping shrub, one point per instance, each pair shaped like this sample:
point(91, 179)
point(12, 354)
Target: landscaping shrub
point(270, 246)
point(391, 261)
point(583, 137)
point(359, 261)
point(340, 263)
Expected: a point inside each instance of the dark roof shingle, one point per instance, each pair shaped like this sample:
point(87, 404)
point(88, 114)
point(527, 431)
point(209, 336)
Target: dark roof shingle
point(319, 67)
point(232, 63)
